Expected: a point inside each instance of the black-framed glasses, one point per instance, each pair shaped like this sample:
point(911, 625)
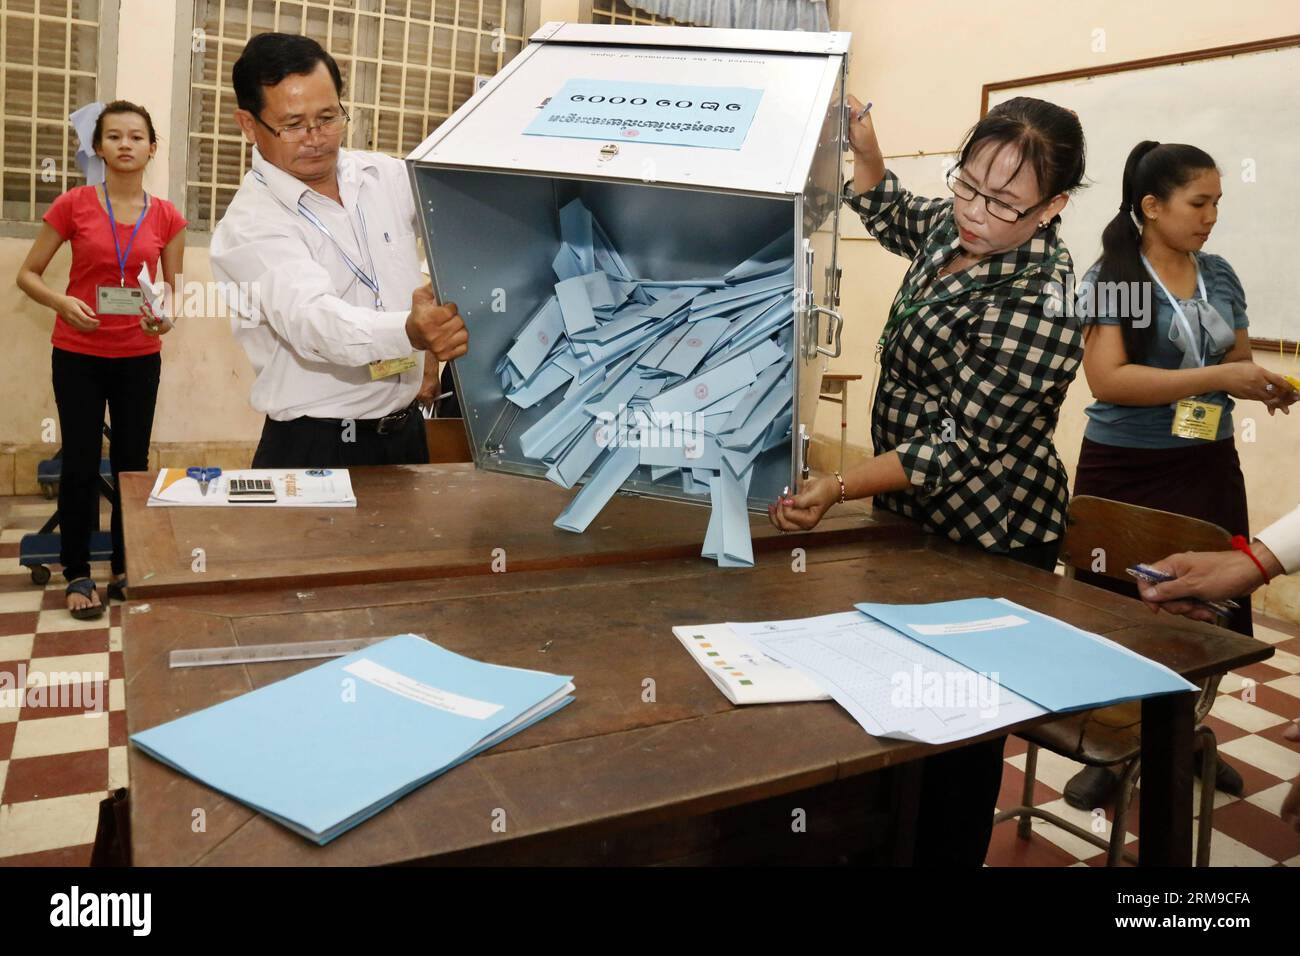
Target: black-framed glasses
point(996, 207)
point(296, 134)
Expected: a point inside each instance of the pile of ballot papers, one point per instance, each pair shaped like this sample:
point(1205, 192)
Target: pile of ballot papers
point(690, 378)
point(323, 750)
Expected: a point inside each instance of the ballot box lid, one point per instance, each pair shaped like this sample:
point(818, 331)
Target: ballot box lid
point(790, 83)
point(714, 38)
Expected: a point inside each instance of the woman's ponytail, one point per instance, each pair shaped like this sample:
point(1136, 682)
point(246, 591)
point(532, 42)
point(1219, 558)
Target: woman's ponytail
point(1152, 169)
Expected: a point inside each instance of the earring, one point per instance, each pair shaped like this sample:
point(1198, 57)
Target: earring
point(1042, 223)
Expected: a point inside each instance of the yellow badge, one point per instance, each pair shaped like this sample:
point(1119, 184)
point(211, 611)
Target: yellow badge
point(1193, 419)
point(390, 367)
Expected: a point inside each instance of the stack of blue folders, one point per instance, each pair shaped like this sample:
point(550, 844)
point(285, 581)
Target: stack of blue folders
point(328, 748)
point(691, 379)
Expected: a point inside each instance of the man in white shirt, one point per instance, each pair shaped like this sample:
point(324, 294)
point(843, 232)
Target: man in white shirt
point(1213, 576)
point(319, 245)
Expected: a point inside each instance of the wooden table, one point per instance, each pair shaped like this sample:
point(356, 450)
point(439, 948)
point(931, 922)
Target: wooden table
point(614, 777)
point(423, 521)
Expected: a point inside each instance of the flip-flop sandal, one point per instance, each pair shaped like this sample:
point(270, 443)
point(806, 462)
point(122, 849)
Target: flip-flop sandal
point(117, 590)
point(86, 588)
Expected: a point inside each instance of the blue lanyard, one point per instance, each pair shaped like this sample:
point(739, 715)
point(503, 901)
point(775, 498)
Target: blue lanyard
point(112, 221)
point(370, 279)
point(1193, 341)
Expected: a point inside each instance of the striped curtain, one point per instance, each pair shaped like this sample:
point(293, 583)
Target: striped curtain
point(810, 15)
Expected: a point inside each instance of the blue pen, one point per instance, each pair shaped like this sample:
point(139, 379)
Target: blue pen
point(203, 476)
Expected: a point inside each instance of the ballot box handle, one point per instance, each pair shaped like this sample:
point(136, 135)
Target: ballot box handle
point(833, 330)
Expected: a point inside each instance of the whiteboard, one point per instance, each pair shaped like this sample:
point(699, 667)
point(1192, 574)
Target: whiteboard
point(1243, 110)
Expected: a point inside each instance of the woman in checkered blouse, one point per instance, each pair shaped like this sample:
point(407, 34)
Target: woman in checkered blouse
point(975, 361)
point(977, 354)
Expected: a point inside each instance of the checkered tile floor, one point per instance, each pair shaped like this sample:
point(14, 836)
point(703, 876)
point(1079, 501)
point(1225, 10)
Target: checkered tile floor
point(62, 753)
point(1248, 722)
point(60, 758)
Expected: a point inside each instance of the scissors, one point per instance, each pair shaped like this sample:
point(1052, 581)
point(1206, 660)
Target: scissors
point(202, 476)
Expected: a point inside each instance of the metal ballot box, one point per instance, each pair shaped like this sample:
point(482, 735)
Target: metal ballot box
point(490, 191)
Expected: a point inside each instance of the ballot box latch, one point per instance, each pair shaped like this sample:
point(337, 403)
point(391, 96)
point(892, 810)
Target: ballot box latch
point(834, 326)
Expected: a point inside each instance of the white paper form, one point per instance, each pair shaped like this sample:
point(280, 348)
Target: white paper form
point(743, 673)
point(891, 685)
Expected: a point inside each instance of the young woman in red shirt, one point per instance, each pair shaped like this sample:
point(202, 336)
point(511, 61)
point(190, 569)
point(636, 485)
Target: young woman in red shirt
point(106, 342)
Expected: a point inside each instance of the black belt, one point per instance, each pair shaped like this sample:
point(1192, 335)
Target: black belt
point(388, 425)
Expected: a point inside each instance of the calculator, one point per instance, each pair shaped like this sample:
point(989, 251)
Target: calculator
point(261, 490)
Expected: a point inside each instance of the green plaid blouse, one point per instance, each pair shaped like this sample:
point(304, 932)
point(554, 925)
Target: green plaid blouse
point(971, 388)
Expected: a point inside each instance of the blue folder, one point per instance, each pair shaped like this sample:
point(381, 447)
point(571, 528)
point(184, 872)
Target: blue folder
point(1057, 666)
point(324, 750)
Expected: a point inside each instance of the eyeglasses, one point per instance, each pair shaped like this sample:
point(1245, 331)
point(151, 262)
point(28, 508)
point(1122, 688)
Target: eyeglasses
point(996, 207)
point(296, 134)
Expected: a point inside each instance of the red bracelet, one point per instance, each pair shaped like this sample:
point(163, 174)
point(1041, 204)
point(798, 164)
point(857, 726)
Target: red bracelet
point(1241, 544)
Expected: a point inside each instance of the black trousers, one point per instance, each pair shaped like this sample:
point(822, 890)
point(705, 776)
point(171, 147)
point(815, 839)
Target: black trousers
point(324, 443)
point(1202, 480)
point(83, 386)
point(959, 788)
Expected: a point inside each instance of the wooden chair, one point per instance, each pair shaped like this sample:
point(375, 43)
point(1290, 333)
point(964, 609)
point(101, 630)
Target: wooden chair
point(447, 439)
point(1122, 535)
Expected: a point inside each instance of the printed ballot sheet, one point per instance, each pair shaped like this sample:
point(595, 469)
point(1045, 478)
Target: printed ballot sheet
point(891, 685)
point(742, 671)
point(294, 488)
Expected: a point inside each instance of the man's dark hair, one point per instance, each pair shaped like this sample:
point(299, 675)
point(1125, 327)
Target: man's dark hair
point(268, 58)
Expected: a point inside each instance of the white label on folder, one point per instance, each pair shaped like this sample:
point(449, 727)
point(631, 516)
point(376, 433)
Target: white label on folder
point(390, 680)
point(968, 627)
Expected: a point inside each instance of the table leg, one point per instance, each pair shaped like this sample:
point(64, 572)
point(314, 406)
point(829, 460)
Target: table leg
point(906, 804)
point(844, 421)
point(1166, 813)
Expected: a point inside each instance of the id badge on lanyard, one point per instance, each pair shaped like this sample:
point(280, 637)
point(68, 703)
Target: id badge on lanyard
point(384, 368)
point(1193, 418)
point(120, 299)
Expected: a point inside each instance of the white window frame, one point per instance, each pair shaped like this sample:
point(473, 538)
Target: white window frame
point(105, 90)
point(357, 93)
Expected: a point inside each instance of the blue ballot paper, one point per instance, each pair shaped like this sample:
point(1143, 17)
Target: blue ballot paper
point(537, 338)
point(575, 304)
point(324, 750)
point(663, 375)
point(615, 469)
point(1055, 665)
point(608, 259)
point(566, 263)
point(577, 227)
point(772, 258)
point(693, 345)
